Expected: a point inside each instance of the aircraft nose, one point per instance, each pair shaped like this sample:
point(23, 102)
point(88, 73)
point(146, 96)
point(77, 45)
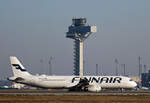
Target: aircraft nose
point(134, 84)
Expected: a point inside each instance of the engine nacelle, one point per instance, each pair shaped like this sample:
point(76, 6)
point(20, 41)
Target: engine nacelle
point(11, 78)
point(16, 79)
point(94, 87)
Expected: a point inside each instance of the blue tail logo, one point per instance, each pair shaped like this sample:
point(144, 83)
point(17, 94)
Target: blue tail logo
point(17, 66)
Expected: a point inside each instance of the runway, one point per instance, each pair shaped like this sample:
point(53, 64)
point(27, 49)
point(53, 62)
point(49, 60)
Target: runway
point(68, 93)
point(58, 96)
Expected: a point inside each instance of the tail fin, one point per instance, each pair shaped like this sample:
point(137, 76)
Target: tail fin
point(17, 67)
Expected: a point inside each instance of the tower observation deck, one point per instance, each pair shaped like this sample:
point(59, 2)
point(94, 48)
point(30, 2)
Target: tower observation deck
point(79, 31)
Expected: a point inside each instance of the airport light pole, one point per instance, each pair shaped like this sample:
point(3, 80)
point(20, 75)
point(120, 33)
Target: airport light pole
point(50, 65)
point(145, 68)
point(140, 66)
point(116, 62)
point(42, 65)
point(96, 70)
point(140, 70)
point(124, 69)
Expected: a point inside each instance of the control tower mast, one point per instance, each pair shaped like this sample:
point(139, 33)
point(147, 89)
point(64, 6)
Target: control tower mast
point(79, 31)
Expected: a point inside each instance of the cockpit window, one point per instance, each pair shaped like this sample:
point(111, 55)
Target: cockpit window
point(130, 80)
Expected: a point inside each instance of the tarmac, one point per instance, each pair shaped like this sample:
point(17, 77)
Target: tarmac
point(63, 96)
point(68, 93)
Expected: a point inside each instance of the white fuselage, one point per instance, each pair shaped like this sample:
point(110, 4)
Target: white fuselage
point(69, 81)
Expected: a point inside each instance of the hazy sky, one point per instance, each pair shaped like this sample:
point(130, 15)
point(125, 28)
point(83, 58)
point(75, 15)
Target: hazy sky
point(34, 30)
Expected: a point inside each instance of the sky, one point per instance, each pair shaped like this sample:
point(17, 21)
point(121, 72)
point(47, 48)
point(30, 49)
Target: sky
point(35, 30)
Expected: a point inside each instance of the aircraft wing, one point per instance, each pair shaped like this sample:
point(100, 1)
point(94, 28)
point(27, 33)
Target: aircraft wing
point(80, 86)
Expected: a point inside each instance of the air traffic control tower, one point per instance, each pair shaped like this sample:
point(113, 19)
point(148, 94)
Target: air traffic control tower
point(79, 31)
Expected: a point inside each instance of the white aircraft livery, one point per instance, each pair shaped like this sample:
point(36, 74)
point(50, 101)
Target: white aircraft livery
point(73, 83)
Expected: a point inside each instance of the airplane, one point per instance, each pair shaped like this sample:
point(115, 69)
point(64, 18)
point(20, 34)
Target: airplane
point(72, 83)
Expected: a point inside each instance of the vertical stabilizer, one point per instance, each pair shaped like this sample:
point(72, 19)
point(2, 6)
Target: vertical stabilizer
point(17, 67)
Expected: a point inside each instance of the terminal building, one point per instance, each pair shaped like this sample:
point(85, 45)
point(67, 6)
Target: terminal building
point(145, 79)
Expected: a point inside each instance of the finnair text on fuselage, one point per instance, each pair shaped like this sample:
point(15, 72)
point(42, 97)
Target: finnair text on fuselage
point(100, 79)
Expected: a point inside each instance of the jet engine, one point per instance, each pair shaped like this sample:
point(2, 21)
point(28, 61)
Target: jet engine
point(94, 87)
point(16, 79)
